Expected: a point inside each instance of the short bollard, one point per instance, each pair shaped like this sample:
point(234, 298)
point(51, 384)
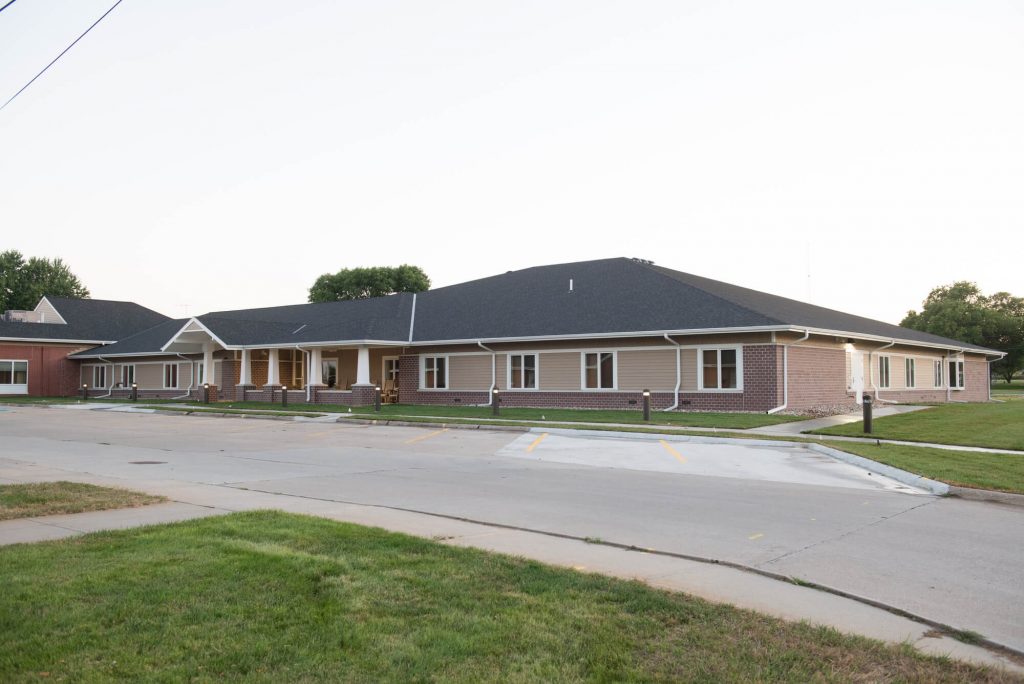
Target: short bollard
point(647, 404)
point(135, 392)
point(206, 393)
point(85, 392)
point(376, 399)
point(495, 400)
point(284, 395)
point(866, 404)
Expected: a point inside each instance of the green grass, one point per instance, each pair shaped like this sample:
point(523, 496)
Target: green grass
point(273, 597)
point(54, 498)
point(977, 469)
point(993, 425)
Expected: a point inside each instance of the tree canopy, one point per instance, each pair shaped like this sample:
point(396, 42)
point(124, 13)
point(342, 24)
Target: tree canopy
point(373, 281)
point(961, 311)
point(24, 283)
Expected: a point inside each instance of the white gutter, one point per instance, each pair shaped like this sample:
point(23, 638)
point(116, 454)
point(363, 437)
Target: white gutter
point(679, 373)
point(110, 378)
point(494, 373)
point(871, 374)
point(191, 376)
point(785, 374)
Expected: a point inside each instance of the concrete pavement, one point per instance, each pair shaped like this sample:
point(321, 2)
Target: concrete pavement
point(953, 562)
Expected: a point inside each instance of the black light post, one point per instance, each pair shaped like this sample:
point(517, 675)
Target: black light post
point(284, 395)
point(866, 406)
point(85, 391)
point(206, 393)
point(495, 400)
point(135, 392)
point(376, 399)
point(647, 404)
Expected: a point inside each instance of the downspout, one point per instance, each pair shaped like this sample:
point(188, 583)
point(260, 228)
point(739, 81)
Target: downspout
point(494, 373)
point(191, 377)
point(110, 379)
point(871, 373)
point(785, 374)
point(679, 373)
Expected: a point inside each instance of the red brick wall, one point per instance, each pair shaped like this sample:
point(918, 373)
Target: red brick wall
point(50, 372)
point(817, 378)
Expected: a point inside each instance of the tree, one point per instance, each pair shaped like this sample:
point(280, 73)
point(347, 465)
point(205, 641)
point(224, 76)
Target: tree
point(961, 311)
point(24, 283)
point(373, 281)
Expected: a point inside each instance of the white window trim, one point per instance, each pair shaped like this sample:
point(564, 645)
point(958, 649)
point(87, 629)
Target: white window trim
point(536, 371)
point(99, 368)
point(739, 369)
point(961, 375)
point(937, 368)
point(177, 376)
point(910, 372)
point(16, 387)
point(447, 372)
point(124, 371)
point(886, 382)
point(583, 370)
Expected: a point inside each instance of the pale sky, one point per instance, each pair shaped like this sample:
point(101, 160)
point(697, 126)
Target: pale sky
point(195, 156)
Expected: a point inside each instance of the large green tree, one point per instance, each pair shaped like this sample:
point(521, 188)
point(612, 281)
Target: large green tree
point(961, 311)
point(373, 281)
point(24, 283)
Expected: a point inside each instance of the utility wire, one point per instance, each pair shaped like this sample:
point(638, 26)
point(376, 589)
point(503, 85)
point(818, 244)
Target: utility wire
point(6, 5)
point(60, 55)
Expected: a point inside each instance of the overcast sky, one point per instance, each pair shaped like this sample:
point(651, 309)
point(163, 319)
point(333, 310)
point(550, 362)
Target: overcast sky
point(195, 156)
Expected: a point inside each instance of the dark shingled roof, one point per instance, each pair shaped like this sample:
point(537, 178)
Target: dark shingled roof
point(146, 342)
point(92, 320)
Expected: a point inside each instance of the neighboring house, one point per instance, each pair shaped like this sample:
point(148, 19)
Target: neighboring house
point(34, 345)
point(592, 334)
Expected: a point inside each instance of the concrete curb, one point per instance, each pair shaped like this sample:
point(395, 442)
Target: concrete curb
point(443, 426)
point(907, 478)
point(989, 495)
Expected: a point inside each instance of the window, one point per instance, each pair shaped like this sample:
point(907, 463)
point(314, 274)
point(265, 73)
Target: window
point(99, 376)
point(200, 372)
point(883, 371)
point(329, 372)
point(719, 369)
point(391, 370)
point(956, 374)
point(170, 376)
point(599, 370)
point(911, 380)
point(13, 377)
point(938, 374)
point(522, 371)
point(127, 376)
point(435, 372)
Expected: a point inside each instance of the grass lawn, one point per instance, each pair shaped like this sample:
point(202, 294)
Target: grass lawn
point(274, 597)
point(993, 425)
point(1004, 472)
point(53, 498)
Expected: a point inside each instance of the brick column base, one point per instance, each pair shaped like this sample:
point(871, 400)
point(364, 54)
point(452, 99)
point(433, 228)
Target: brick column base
point(244, 393)
point(200, 391)
point(363, 395)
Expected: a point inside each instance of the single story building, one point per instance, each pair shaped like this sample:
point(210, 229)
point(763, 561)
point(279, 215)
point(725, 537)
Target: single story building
point(591, 334)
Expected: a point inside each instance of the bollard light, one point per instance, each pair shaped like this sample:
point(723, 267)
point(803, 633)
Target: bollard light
point(647, 404)
point(284, 395)
point(866, 406)
point(135, 392)
point(206, 393)
point(495, 400)
point(85, 391)
point(376, 398)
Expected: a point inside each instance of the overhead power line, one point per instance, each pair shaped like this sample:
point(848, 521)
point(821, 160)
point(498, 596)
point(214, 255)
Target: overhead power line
point(112, 7)
point(6, 5)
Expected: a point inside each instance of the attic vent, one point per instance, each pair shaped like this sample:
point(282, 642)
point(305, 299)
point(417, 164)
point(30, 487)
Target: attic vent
point(642, 261)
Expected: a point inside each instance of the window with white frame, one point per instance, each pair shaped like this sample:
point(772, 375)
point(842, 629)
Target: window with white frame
point(599, 370)
point(200, 372)
point(910, 368)
point(956, 374)
point(128, 375)
point(434, 373)
point(522, 371)
point(170, 376)
point(13, 377)
point(99, 376)
point(938, 374)
point(719, 369)
point(883, 371)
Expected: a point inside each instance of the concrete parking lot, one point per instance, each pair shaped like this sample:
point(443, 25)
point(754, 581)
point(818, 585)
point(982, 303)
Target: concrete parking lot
point(778, 509)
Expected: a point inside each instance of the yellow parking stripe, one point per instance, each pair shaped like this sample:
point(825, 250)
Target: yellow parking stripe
point(668, 447)
point(755, 536)
point(537, 441)
point(435, 433)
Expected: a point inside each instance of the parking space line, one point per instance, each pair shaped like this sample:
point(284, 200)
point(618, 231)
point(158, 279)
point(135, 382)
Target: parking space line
point(435, 433)
point(536, 442)
point(668, 447)
point(754, 537)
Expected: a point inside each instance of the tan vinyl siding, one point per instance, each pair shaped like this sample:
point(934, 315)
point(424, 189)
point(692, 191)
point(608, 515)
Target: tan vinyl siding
point(559, 371)
point(469, 372)
point(501, 369)
point(689, 370)
point(49, 314)
point(897, 372)
point(149, 375)
point(654, 370)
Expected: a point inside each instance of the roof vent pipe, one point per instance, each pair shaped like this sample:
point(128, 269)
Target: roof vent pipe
point(570, 284)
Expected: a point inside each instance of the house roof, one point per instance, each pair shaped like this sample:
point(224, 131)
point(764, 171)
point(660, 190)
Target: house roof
point(607, 297)
point(86, 320)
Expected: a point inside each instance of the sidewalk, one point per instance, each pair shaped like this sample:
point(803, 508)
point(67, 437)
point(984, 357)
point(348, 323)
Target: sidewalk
point(709, 579)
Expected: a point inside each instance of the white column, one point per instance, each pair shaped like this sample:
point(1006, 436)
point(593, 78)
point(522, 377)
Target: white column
point(245, 373)
point(363, 366)
point(208, 364)
point(315, 376)
point(273, 368)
